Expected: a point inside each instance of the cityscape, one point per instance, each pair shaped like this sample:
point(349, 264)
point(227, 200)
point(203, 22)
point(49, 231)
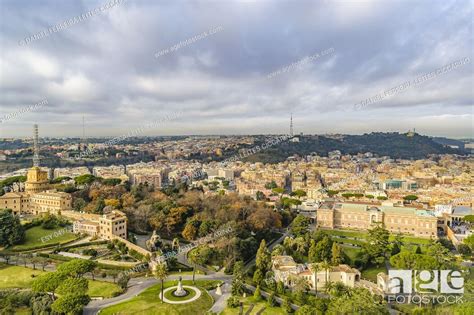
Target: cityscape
point(239, 157)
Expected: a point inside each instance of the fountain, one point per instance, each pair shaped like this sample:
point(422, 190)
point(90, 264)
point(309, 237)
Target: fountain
point(180, 291)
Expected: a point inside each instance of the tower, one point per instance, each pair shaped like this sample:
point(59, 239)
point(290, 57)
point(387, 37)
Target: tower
point(36, 159)
point(291, 125)
point(36, 179)
point(83, 140)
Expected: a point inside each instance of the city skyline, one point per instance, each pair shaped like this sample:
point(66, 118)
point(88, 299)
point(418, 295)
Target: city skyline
point(241, 71)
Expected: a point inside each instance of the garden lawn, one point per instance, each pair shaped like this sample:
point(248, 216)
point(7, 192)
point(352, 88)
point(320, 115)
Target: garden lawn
point(103, 289)
point(20, 277)
point(350, 251)
point(33, 237)
point(371, 273)
point(148, 302)
point(16, 276)
point(257, 307)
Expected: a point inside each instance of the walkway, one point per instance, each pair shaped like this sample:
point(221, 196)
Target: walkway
point(138, 285)
point(194, 298)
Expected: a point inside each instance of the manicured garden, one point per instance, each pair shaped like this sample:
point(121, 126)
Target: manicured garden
point(34, 235)
point(148, 302)
point(16, 276)
point(21, 277)
point(249, 304)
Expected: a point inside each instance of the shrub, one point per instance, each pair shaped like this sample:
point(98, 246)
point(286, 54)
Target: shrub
point(233, 302)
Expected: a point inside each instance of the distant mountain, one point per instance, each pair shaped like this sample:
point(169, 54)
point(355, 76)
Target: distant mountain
point(395, 145)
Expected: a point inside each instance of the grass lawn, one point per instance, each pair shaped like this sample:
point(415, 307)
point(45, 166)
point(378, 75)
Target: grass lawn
point(257, 307)
point(16, 276)
point(371, 273)
point(148, 302)
point(104, 289)
point(33, 237)
point(20, 277)
point(350, 251)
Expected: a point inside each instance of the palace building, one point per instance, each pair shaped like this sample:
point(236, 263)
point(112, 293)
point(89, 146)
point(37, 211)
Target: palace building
point(396, 219)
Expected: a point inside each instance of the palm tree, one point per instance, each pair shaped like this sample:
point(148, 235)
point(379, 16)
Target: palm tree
point(300, 244)
point(325, 265)
point(161, 272)
point(315, 267)
point(196, 259)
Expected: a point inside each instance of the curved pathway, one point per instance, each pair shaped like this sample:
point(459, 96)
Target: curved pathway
point(194, 298)
point(137, 286)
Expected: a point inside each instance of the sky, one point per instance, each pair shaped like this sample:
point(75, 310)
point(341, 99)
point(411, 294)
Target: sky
point(107, 68)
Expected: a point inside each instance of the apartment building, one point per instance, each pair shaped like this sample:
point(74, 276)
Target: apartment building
point(396, 219)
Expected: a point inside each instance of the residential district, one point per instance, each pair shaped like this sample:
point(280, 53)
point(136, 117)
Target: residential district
point(179, 234)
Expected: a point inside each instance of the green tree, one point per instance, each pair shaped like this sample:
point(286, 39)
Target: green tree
point(322, 250)
point(280, 287)
point(48, 282)
point(326, 266)
point(469, 241)
point(396, 244)
point(286, 305)
point(263, 258)
point(99, 208)
point(85, 179)
point(278, 250)
point(300, 225)
point(271, 185)
point(123, 279)
point(70, 304)
point(73, 286)
point(161, 272)
point(79, 204)
point(271, 302)
point(357, 301)
point(11, 230)
point(307, 310)
point(258, 277)
point(76, 267)
point(260, 195)
point(315, 268)
point(417, 249)
point(238, 278)
point(278, 190)
point(298, 193)
point(464, 250)
point(195, 258)
point(233, 301)
point(257, 295)
point(441, 254)
point(378, 244)
point(410, 198)
point(336, 254)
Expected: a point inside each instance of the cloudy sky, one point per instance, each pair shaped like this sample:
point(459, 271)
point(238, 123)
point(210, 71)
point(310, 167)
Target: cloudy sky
point(105, 70)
